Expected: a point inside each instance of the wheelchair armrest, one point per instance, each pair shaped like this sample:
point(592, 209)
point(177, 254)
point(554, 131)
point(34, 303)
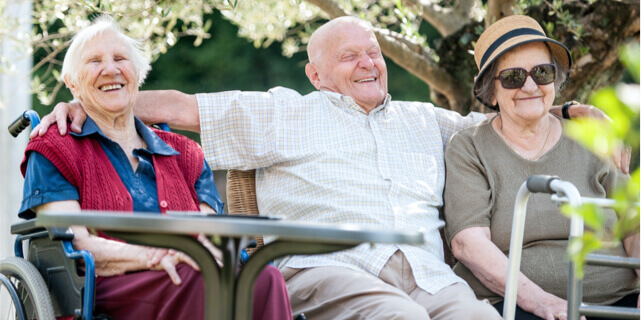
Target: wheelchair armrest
point(29, 226)
point(24, 227)
point(60, 233)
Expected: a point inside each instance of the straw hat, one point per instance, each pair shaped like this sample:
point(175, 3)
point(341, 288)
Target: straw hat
point(508, 33)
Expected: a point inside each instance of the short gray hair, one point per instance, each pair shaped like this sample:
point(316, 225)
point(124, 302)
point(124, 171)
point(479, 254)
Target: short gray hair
point(98, 27)
point(485, 85)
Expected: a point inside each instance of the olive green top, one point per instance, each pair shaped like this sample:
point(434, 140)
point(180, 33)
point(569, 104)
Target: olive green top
point(482, 180)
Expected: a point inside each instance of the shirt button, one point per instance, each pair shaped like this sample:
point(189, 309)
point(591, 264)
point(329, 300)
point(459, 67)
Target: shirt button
point(163, 204)
point(37, 192)
point(137, 175)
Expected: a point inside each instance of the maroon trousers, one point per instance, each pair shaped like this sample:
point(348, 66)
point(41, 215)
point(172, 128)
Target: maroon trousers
point(152, 295)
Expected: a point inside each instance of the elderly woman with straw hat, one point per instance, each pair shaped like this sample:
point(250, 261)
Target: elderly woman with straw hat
point(521, 70)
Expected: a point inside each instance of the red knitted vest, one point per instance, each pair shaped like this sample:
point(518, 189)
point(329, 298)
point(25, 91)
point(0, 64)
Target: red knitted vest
point(83, 162)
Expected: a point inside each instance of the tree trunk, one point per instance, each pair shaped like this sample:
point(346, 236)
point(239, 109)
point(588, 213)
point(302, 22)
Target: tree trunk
point(456, 56)
point(606, 26)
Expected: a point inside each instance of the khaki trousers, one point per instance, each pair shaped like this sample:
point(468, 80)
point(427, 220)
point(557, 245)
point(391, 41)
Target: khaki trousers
point(343, 293)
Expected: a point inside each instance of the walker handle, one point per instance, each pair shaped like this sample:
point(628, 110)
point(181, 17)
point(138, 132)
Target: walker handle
point(541, 183)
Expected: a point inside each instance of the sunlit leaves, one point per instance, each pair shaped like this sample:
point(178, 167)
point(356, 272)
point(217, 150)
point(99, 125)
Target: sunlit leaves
point(621, 104)
point(592, 215)
point(157, 23)
point(599, 136)
point(629, 55)
point(579, 248)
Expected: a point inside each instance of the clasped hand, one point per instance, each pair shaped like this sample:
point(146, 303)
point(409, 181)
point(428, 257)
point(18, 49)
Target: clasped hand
point(168, 259)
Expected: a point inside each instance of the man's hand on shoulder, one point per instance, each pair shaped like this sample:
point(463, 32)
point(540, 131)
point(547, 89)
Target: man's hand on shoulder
point(63, 111)
point(622, 154)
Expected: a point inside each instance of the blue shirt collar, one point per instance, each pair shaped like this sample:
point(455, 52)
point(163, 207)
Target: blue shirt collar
point(155, 145)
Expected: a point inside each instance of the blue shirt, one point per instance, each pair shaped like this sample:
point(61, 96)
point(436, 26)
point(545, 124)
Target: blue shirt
point(44, 183)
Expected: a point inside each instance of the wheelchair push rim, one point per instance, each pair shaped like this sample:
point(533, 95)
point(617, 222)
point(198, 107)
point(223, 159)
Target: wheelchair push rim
point(30, 288)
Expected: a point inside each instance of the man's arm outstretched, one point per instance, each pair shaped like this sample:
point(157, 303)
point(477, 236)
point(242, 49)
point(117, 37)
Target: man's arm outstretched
point(179, 110)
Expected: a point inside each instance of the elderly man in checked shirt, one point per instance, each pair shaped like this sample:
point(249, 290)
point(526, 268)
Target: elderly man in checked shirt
point(346, 153)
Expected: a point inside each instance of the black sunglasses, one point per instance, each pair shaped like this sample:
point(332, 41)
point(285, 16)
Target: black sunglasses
point(514, 78)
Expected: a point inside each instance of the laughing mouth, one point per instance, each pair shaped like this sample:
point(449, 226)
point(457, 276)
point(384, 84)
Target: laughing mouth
point(110, 87)
point(365, 80)
point(530, 98)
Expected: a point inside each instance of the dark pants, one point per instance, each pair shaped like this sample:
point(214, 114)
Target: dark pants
point(152, 295)
point(627, 301)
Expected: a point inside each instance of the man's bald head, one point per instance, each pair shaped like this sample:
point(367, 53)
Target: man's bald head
point(327, 36)
point(345, 57)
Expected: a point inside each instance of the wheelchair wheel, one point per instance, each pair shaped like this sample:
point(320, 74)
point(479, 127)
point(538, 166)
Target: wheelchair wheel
point(29, 288)
point(9, 301)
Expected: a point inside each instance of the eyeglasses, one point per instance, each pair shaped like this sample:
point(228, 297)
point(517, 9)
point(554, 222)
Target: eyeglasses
point(514, 78)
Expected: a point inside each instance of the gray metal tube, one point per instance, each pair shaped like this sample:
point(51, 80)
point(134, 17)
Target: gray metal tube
point(575, 286)
point(612, 261)
point(601, 202)
point(610, 312)
point(516, 246)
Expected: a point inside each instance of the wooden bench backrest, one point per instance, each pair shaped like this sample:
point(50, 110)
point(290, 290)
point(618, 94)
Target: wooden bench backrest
point(241, 196)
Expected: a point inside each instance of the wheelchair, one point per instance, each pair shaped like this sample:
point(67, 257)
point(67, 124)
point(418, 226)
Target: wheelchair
point(561, 192)
point(46, 283)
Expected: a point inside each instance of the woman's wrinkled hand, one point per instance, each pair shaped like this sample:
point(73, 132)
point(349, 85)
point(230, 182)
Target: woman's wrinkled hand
point(154, 255)
point(552, 307)
point(215, 252)
point(170, 260)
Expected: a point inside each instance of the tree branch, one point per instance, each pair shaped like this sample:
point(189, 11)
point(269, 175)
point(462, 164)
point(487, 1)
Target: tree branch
point(399, 49)
point(50, 56)
point(330, 7)
point(497, 9)
point(446, 20)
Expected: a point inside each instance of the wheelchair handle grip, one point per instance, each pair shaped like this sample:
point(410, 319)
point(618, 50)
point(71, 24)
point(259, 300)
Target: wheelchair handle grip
point(540, 183)
point(28, 117)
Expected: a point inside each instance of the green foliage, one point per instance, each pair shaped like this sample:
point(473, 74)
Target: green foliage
point(592, 215)
point(225, 61)
point(563, 18)
point(629, 55)
point(158, 23)
point(621, 103)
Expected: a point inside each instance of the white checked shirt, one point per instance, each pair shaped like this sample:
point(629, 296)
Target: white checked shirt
point(320, 158)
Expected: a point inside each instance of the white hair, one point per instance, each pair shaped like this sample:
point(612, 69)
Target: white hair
point(98, 27)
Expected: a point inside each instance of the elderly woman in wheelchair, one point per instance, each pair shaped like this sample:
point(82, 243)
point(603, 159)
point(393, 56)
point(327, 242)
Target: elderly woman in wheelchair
point(119, 164)
point(520, 71)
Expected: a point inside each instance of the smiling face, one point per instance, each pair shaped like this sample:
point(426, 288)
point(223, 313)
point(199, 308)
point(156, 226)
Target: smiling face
point(531, 101)
point(346, 58)
point(107, 80)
